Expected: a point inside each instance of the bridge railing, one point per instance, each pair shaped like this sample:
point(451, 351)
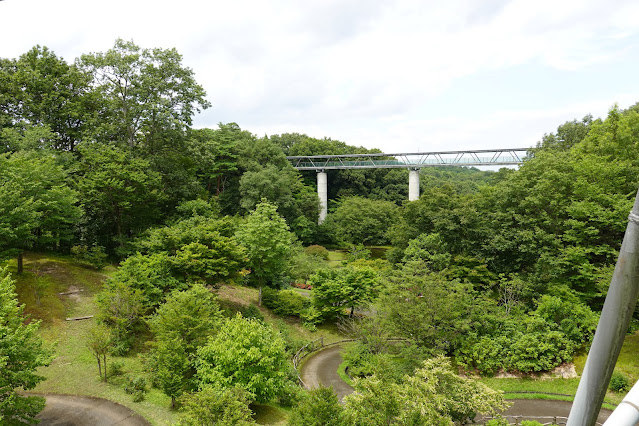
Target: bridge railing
point(483, 157)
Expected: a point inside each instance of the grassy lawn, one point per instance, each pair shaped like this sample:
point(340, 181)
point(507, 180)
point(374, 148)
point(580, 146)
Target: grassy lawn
point(335, 258)
point(74, 369)
point(628, 364)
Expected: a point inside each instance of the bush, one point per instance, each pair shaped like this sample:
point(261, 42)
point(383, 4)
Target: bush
point(317, 250)
point(116, 369)
point(93, 256)
point(252, 311)
point(619, 382)
point(136, 387)
point(284, 302)
point(497, 422)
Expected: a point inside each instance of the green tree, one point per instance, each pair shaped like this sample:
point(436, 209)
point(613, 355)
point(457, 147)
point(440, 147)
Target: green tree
point(215, 154)
point(337, 289)
point(21, 353)
point(147, 96)
point(170, 367)
point(434, 395)
point(99, 342)
point(361, 220)
point(37, 208)
point(214, 405)
point(151, 274)
point(426, 307)
point(189, 316)
point(318, 407)
point(246, 353)
point(121, 193)
point(43, 91)
point(267, 239)
point(121, 308)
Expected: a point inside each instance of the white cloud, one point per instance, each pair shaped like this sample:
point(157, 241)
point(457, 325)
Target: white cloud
point(356, 70)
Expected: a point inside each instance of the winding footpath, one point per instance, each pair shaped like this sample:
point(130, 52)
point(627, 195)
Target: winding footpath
point(321, 369)
point(67, 410)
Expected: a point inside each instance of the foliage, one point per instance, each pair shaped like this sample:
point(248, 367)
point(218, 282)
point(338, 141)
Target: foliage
point(196, 248)
point(150, 275)
point(137, 387)
point(360, 220)
point(93, 256)
point(21, 353)
point(317, 250)
point(284, 302)
point(214, 405)
point(147, 95)
point(318, 407)
point(349, 287)
point(267, 240)
point(433, 395)
point(245, 353)
point(619, 382)
point(181, 325)
point(37, 208)
point(120, 307)
point(190, 316)
point(426, 308)
point(121, 193)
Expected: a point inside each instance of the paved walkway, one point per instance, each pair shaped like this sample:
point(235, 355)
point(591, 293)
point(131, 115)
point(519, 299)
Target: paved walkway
point(64, 410)
point(321, 369)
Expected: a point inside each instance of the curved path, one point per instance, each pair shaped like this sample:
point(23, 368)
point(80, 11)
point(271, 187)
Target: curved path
point(66, 410)
point(321, 369)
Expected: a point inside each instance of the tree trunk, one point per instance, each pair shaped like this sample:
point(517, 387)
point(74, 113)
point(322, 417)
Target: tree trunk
point(352, 310)
point(105, 368)
point(20, 264)
point(99, 366)
point(259, 297)
point(172, 403)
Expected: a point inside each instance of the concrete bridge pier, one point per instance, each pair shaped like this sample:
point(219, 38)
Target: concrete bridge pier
point(322, 193)
point(413, 185)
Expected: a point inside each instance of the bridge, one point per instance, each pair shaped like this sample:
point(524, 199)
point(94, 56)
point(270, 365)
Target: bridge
point(411, 161)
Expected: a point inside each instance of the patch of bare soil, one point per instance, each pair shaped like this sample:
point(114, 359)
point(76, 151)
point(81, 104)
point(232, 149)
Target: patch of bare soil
point(564, 371)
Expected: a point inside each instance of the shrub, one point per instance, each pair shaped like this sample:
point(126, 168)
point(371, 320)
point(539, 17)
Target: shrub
point(136, 387)
point(619, 382)
point(497, 422)
point(284, 302)
point(252, 311)
point(93, 256)
point(116, 369)
point(317, 250)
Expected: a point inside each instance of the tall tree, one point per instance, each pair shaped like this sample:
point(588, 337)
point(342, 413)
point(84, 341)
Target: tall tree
point(37, 208)
point(350, 287)
point(122, 195)
point(21, 352)
point(267, 239)
point(40, 89)
point(148, 96)
point(246, 353)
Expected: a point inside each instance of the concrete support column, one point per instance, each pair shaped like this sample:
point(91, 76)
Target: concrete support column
point(413, 185)
point(322, 193)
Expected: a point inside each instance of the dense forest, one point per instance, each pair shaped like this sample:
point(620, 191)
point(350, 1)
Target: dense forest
point(496, 271)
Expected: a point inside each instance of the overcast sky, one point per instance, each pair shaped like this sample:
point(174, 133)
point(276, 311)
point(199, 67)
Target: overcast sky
point(402, 76)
